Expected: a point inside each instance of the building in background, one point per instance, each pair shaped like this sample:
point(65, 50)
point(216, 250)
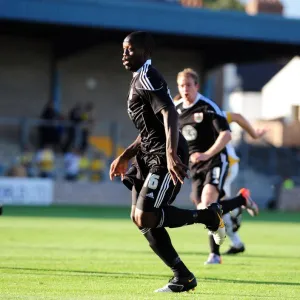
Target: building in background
point(281, 95)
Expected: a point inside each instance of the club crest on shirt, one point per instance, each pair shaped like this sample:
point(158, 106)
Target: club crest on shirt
point(198, 117)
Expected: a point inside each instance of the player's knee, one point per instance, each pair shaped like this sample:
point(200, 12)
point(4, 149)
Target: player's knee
point(195, 199)
point(210, 195)
point(144, 219)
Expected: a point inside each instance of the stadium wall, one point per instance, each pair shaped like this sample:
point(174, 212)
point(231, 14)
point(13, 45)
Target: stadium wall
point(25, 79)
point(105, 193)
point(24, 75)
point(37, 191)
point(103, 65)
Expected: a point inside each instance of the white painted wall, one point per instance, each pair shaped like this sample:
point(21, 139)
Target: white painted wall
point(246, 103)
point(282, 91)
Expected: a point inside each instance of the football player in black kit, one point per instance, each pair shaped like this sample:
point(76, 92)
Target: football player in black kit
point(207, 132)
point(160, 156)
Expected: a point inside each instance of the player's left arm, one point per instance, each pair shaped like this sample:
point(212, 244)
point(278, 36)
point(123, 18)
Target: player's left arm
point(224, 137)
point(246, 125)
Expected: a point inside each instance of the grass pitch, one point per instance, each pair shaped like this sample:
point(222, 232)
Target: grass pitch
point(97, 253)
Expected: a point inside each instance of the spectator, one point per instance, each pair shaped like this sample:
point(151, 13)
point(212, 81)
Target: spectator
point(88, 119)
point(16, 171)
point(26, 160)
point(48, 134)
point(45, 159)
point(75, 116)
point(84, 164)
point(71, 163)
point(97, 168)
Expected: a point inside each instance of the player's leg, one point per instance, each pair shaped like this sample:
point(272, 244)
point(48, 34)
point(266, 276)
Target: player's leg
point(237, 246)
point(243, 199)
point(158, 188)
point(159, 239)
point(198, 184)
point(160, 242)
point(236, 243)
point(212, 191)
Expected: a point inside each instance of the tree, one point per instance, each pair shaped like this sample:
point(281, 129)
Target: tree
point(224, 4)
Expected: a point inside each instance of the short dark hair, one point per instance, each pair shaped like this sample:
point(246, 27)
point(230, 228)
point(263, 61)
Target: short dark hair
point(142, 39)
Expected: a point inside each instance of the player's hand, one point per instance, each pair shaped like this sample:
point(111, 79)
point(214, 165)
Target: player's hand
point(260, 132)
point(198, 156)
point(118, 167)
point(177, 169)
point(132, 213)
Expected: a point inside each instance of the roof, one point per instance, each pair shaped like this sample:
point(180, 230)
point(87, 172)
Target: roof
point(255, 75)
point(159, 17)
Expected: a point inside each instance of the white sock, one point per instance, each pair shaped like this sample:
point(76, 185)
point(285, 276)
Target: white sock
point(234, 213)
point(233, 236)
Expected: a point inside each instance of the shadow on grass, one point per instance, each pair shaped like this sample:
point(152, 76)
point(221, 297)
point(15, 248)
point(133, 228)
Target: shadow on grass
point(244, 255)
point(104, 212)
point(132, 275)
point(59, 272)
point(253, 281)
point(90, 250)
point(85, 212)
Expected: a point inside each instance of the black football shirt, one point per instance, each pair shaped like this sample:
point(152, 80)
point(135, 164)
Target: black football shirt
point(201, 123)
point(148, 95)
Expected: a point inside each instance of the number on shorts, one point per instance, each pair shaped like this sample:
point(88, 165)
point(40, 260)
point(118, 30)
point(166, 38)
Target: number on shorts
point(153, 181)
point(216, 174)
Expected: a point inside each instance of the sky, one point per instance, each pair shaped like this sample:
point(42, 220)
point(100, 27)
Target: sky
point(291, 8)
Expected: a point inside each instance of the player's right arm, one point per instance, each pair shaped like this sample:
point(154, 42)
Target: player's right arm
point(176, 168)
point(132, 149)
point(119, 166)
point(221, 125)
point(245, 124)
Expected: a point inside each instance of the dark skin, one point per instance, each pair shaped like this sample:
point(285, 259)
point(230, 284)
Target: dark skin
point(133, 59)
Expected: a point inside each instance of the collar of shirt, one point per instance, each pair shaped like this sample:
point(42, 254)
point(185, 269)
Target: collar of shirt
point(148, 62)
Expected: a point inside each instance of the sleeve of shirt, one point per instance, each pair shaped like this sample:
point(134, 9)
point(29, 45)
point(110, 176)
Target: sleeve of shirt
point(220, 123)
point(228, 117)
point(155, 90)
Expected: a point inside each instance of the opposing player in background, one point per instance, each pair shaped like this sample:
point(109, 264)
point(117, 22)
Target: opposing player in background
point(160, 156)
point(233, 219)
point(207, 132)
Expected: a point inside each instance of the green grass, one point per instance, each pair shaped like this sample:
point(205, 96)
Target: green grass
point(97, 253)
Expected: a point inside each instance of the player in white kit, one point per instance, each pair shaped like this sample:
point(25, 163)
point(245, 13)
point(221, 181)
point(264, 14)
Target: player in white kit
point(233, 219)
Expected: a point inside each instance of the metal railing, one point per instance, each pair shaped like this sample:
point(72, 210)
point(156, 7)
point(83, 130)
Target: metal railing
point(27, 130)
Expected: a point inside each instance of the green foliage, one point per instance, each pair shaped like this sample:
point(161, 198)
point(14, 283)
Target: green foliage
point(224, 4)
